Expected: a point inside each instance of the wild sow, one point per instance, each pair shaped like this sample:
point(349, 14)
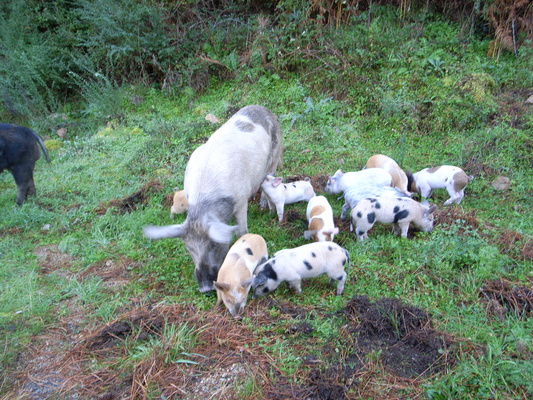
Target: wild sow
point(220, 177)
point(19, 150)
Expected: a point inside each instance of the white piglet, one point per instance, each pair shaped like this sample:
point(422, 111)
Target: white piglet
point(307, 261)
point(320, 217)
point(448, 177)
point(341, 181)
point(235, 275)
point(398, 211)
point(278, 194)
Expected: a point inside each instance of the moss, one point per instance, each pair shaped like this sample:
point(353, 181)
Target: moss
point(53, 144)
point(479, 86)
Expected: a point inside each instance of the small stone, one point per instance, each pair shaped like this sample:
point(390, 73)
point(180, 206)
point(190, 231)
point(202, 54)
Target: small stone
point(501, 183)
point(61, 132)
point(211, 118)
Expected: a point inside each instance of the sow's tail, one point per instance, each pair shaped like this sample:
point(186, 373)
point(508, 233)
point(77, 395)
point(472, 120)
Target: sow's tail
point(162, 232)
point(43, 147)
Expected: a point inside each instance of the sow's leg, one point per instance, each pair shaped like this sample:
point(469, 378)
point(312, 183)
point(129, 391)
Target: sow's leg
point(23, 174)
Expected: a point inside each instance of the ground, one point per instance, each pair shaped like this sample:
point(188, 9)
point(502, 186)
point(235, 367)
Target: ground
point(384, 350)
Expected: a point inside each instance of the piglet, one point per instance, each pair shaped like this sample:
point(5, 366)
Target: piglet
point(341, 181)
point(320, 217)
point(448, 177)
point(398, 211)
point(235, 274)
point(307, 261)
point(399, 178)
point(278, 194)
point(179, 202)
point(355, 194)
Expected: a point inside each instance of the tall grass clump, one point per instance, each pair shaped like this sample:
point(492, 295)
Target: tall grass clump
point(125, 40)
point(30, 67)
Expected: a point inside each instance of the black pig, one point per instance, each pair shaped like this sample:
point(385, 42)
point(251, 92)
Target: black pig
point(19, 150)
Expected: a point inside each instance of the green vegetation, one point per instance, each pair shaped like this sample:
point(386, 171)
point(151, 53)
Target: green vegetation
point(413, 85)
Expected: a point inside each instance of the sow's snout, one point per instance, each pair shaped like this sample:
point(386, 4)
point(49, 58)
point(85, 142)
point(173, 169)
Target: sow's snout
point(206, 275)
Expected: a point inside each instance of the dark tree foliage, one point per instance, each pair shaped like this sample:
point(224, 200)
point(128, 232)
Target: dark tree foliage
point(53, 51)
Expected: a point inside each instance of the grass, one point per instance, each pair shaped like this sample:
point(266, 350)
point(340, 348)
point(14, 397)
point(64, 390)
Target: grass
point(75, 253)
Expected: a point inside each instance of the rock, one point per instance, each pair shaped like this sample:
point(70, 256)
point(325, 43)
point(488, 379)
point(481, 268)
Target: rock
point(501, 183)
point(61, 132)
point(211, 118)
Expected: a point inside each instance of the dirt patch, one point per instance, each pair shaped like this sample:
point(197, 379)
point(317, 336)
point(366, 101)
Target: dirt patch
point(409, 346)
point(383, 343)
point(51, 259)
point(318, 181)
point(131, 202)
point(515, 110)
point(504, 298)
point(381, 349)
point(10, 231)
point(113, 273)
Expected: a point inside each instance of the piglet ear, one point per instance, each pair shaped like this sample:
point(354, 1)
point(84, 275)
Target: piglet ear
point(259, 280)
point(431, 210)
point(246, 283)
point(309, 234)
point(277, 181)
point(223, 287)
point(220, 232)
point(334, 231)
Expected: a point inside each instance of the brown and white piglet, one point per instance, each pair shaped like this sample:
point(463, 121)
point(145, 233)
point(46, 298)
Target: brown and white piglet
point(179, 203)
point(235, 275)
point(320, 217)
point(448, 177)
point(399, 178)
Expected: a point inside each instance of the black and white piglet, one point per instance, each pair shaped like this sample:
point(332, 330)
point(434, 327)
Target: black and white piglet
point(398, 211)
point(307, 261)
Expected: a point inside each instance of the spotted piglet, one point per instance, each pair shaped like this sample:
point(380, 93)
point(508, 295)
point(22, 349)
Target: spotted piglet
point(398, 211)
point(448, 177)
point(235, 274)
point(278, 193)
point(320, 217)
point(307, 261)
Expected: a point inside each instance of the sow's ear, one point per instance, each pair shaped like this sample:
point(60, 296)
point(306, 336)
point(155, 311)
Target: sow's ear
point(220, 232)
point(161, 232)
